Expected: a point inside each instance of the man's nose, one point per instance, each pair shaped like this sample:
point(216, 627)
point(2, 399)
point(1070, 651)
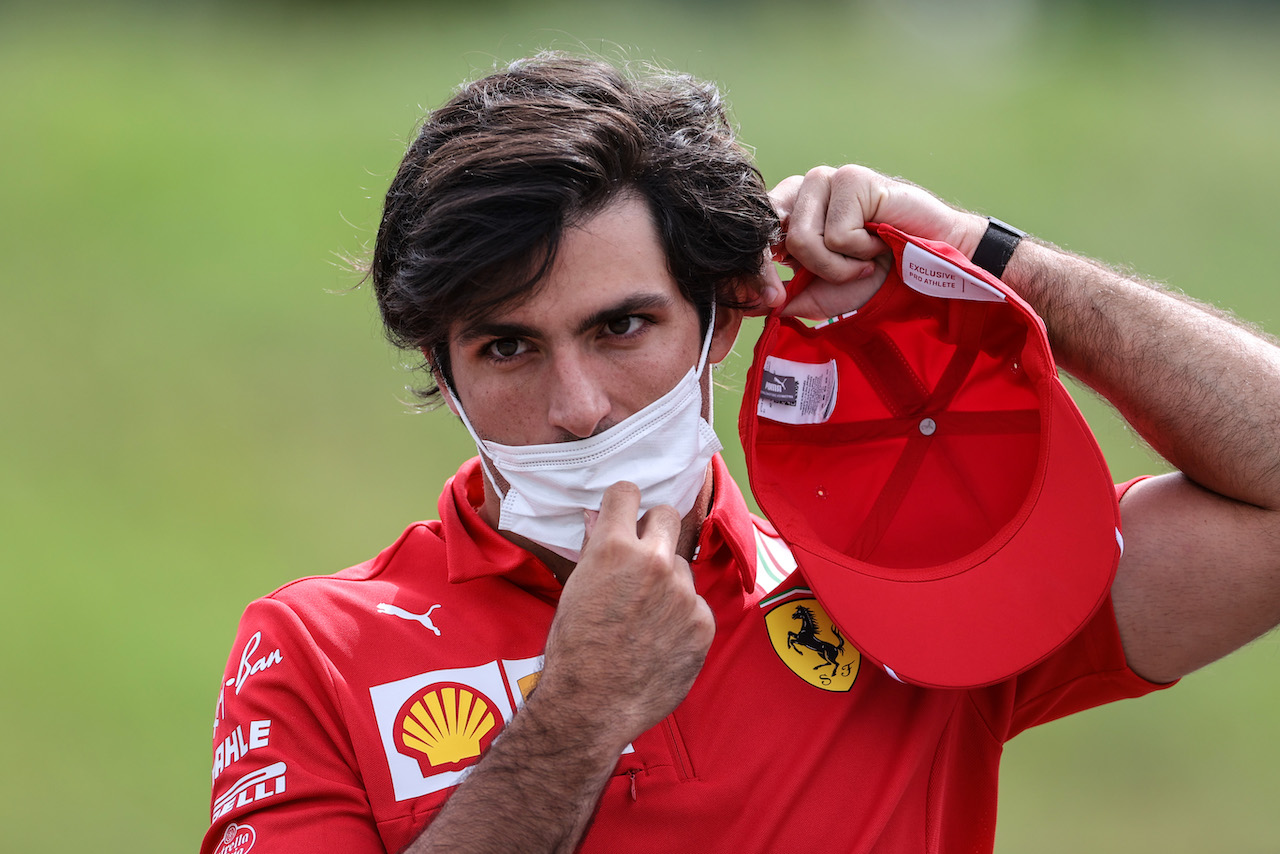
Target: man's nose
point(579, 398)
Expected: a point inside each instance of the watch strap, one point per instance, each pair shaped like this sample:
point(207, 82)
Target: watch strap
point(997, 245)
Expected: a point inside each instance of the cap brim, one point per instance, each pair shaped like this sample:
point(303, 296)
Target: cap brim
point(978, 621)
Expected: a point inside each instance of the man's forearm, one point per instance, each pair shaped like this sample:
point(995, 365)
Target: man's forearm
point(535, 790)
point(1201, 389)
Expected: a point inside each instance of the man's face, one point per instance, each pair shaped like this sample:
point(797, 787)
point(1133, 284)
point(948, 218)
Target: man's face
point(607, 333)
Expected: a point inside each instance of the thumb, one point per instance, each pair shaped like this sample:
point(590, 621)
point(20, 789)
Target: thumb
point(589, 518)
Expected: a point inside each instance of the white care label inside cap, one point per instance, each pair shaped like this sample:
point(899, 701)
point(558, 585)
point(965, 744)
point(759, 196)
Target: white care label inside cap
point(928, 274)
point(797, 392)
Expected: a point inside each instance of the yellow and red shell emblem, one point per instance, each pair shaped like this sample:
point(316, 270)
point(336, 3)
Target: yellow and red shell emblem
point(446, 726)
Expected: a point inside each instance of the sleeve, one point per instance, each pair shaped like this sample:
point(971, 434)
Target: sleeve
point(285, 776)
point(1089, 670)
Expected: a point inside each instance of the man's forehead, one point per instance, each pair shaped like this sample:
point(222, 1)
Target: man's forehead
point(606, 266)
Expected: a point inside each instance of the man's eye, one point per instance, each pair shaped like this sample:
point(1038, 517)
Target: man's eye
point(623, 325)
point(506, 348)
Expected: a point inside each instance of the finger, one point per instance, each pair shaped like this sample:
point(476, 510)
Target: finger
point(661, 526)
point(589, 518)
point(682, 577)
point(763, 293)
point(808, 211)
point(783, 197)
point(619, 508)
point(685, 570)
point(807, 238)
point(705, 618)
point(823, 299)
point(856, 197)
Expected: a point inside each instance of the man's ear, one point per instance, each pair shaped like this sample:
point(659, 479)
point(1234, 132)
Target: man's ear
point(728, 322)
point(438, 377)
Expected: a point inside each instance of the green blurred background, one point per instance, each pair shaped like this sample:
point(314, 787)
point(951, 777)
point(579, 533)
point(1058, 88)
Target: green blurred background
point(198, 407)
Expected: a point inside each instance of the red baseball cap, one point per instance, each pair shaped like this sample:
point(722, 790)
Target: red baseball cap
point(936, 484)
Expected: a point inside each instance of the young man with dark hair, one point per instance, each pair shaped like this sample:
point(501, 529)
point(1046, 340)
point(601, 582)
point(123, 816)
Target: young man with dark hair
point(569, 248)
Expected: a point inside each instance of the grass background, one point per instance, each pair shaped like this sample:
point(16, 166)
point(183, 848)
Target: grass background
point(197, 406)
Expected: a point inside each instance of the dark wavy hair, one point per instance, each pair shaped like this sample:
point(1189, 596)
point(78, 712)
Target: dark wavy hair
point(476, 211)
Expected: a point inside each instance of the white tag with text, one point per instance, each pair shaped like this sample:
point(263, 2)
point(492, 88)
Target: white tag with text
point(928, 274)
point(796, 392)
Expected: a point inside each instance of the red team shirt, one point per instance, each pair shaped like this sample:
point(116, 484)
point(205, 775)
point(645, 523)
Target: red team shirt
point(354, 703)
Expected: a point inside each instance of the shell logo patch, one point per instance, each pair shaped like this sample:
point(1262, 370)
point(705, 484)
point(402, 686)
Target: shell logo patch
point(445, 725)
point(435, 725)
point(808, 642)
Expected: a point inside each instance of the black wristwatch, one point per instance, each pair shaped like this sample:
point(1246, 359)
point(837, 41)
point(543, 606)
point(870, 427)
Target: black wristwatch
point(997, 245)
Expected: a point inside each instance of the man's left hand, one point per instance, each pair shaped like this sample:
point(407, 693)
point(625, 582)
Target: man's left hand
point(824, 215)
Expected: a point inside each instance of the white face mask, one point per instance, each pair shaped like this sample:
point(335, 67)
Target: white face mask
point(664, 449)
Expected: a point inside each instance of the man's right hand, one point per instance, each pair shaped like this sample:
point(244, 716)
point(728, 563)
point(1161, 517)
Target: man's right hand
point(629, 636)
point(630, 632)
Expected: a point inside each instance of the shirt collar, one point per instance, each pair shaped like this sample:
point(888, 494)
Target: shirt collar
point(475, 550)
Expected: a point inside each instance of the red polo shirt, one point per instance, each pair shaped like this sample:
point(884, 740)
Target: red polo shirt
point(353, 704)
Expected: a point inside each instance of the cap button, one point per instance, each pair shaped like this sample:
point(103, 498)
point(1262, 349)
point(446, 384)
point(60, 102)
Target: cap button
point(928, 426)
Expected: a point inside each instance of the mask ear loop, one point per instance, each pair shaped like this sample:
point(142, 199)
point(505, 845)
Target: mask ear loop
point(702, 363)
point(706, 341)
point(480, 443)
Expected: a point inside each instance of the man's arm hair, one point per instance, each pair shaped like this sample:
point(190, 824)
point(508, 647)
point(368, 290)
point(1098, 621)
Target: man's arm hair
point(535, 790)
point(1200, 575)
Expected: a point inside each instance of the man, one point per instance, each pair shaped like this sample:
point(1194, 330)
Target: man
point(538, 670)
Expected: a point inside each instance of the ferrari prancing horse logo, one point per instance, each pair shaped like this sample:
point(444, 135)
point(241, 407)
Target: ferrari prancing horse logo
point(808, 642)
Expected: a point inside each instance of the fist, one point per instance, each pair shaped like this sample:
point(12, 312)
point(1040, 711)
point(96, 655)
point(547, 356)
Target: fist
point(630, 633)
point(824, 215)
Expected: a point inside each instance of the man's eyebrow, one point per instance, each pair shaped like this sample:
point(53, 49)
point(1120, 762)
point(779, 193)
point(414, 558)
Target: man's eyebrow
point(492, 329)
point(631, 305)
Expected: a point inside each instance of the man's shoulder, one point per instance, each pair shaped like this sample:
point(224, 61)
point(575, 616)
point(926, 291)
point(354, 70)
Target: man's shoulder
point(416, 559)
